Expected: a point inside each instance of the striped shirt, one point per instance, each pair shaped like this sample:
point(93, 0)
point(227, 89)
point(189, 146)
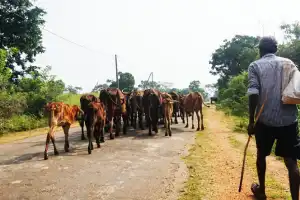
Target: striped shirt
point(265, 79)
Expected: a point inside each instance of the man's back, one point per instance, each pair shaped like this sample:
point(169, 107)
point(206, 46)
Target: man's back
point(265, 76)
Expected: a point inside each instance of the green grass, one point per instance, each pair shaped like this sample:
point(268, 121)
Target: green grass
point(73, 99)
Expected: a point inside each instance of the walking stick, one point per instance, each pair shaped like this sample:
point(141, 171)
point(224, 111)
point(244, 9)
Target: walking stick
point(244, 161)
point(247, 144)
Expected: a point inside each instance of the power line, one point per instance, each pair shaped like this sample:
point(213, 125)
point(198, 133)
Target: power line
point(63, 38)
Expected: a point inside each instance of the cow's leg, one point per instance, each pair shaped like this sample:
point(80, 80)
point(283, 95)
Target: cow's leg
point(169, 128)
point(47, 144)
point(131, 119)
point(166, 125)
point(89, 135)
point(102, 131)
point(125, 119)
point(66, 132)
point(82, 129)
point(193, 120)
point(198, 120)
point(187, 120)
point(134, 119)
point(118, 125)
point(176, 121)
point(201, 114)
point(97, 134)
point(140, 118)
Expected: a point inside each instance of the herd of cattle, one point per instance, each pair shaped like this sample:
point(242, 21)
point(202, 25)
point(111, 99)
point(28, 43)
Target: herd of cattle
point(105, 113)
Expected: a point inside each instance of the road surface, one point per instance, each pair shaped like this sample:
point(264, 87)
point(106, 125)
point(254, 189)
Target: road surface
point(133, 167)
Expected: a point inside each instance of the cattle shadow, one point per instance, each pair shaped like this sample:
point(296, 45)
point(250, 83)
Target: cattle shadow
point(78, 146)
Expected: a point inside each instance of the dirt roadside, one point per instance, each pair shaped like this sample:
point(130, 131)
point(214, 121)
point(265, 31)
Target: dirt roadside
point(215, 164)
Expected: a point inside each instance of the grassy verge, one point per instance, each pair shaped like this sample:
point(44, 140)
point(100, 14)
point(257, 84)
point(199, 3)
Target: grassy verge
point(195, 160)
point(274, 189)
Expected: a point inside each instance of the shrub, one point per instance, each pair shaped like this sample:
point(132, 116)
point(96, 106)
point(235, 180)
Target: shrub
point(18, 123)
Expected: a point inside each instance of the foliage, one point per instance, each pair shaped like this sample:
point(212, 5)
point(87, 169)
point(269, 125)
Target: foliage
point(22, 105)
point(99, 87)
point(194, 86)
point(126, 81)
point(73, 90)
point(231, 60)
point(233, 57)
point(20, 27)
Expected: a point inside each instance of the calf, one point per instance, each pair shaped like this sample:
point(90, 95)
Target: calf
point(168, 111)
point(60, 115)
point(95, 120)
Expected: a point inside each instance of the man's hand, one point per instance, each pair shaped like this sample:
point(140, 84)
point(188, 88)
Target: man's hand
point(250, 129)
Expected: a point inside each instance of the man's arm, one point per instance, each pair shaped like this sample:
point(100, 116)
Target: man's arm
point(253, 91)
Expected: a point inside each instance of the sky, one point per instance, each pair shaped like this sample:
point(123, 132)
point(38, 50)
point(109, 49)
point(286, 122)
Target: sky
point(174, 39)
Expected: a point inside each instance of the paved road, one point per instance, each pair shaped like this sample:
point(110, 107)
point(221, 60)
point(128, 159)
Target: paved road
point(133, 167)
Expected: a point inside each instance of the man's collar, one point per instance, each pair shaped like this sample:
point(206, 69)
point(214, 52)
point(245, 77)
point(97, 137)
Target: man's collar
point(268, 55)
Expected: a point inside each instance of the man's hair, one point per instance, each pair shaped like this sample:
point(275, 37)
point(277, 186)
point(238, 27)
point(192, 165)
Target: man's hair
point(268, 45)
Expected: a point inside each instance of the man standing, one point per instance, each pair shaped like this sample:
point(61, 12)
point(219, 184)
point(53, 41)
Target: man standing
point(276, 121)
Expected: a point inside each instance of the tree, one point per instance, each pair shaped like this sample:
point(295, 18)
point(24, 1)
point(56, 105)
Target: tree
point(126, 81)
point(73, 90)
point(20, 27)
point(291, 49)
point(291, 31)
point(99, 87)
point(194, 86)
point(145, 85)
point(233, 57)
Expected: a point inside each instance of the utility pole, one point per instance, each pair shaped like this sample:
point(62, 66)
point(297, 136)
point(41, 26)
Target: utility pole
point(117, 77)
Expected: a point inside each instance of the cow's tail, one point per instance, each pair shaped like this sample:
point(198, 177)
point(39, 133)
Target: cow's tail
point(202, 99)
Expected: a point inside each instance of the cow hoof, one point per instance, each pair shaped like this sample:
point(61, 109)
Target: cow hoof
point(193, 127)
point(102, 140)
point(170, 134)
point(166, 134)
point(149, 134)
point(198, 129)
point(56, 153)
point(117, 134)
point(202, 128)
point(112, 136)
point(186, 126)
point(89, 151)
point(45, 156)
point(83, 138)
point(66, 149)
point(98, 146)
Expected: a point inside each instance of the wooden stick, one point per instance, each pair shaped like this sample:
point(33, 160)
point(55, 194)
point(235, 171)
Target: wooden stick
point(244, 161)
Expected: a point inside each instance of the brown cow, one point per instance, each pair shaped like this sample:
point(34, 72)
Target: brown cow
point(60, 115)
point(136, 108)
point(115, 103)
point(152, 101)
point(96, 118)
point(85, 99)
point(168, 111)
point(193, 103)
